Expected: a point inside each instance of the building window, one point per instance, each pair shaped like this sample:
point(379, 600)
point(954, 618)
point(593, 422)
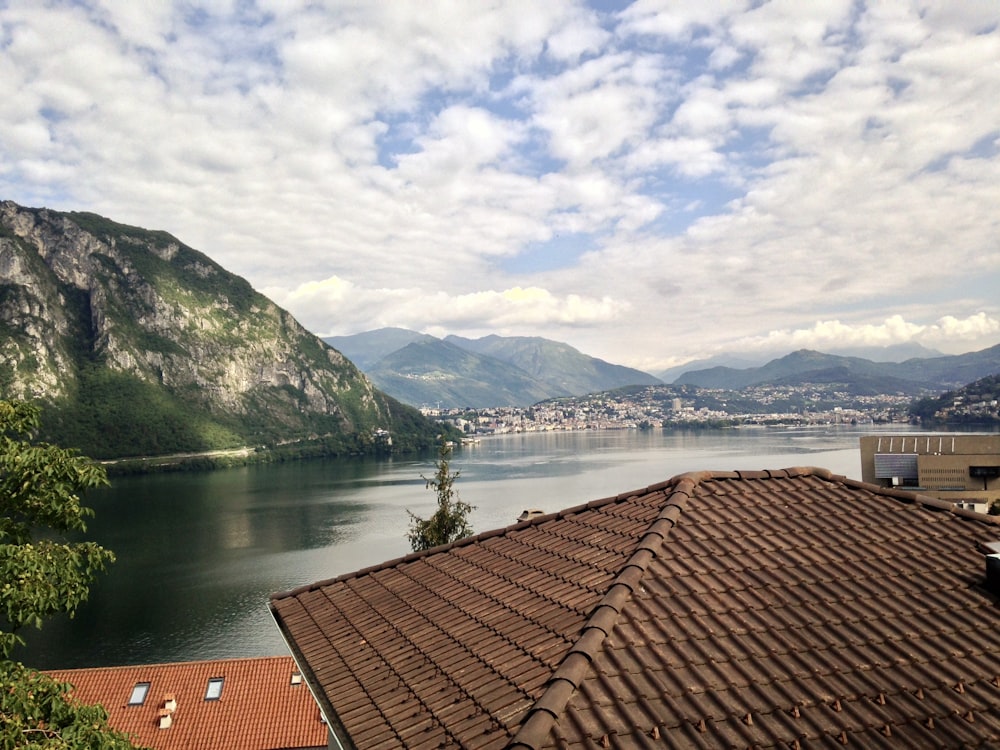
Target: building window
point(138, 696)
point(214, 691)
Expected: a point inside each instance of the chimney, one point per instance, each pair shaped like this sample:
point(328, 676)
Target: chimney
point(992, 550)
point(167, 712)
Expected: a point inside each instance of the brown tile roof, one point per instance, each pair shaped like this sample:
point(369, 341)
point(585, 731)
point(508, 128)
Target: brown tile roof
point(748, 609)
point(259, 708)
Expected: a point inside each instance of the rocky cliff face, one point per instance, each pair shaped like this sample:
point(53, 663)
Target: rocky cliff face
point(84, 300)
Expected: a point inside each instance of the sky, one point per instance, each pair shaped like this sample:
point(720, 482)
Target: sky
point(651, 182)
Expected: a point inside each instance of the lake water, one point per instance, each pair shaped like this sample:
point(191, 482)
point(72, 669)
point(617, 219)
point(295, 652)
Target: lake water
point(199, 554)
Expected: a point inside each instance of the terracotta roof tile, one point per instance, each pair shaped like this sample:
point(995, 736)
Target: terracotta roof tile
point(259, 708)
point(748, 609)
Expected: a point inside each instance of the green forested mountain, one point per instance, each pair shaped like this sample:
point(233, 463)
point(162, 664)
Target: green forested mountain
point(559, 365)
point(136, 344)
point(491, 371)
point(435, 372)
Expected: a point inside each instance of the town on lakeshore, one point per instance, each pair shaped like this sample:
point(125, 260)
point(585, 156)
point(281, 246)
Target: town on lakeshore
point(647, 407)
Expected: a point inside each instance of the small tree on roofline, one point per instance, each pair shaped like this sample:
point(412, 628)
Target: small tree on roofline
point(450, 521)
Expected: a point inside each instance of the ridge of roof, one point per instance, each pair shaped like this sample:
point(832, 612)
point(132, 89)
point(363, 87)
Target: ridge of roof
point(576, 663)
point(925, 501)
point(477, 538)
point(173, 665)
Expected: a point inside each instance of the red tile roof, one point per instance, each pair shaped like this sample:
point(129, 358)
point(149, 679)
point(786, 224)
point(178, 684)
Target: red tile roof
point(748, 609)
point(259, 708)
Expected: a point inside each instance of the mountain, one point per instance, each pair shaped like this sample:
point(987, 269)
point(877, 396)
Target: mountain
point(745, 361)
point(365, 349)
point(854, 383)
point(956, 370)
point(934, 373)
point(136, 344)
point(456, 372)
point(557, 364)
point(435, 372)
point(796, 365)
point(972, 404)
point(732, 361)
point(891, 353)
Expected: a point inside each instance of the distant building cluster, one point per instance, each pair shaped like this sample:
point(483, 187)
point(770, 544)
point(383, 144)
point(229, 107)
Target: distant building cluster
point(660, 406)
point(964, 408)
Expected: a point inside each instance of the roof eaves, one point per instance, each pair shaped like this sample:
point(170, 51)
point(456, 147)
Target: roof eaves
point(330, 716)
point(931, 503)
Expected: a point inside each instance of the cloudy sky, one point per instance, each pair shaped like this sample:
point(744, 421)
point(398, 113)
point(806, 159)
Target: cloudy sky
point(649, 182)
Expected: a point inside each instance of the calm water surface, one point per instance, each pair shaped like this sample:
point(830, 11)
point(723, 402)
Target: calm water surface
point(198, 554)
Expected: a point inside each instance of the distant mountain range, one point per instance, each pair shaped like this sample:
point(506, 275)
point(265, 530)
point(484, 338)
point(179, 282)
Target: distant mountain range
point(455, 372)
point(743, 361)
point(519, 371)
point(910, 376)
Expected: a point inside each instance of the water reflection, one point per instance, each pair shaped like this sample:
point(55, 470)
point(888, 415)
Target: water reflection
point(198, 554)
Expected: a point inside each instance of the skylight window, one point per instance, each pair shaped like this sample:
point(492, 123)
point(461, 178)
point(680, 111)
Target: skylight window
point(214, 691)
point(138, 696)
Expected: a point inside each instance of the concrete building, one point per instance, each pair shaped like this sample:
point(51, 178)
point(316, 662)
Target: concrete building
point(961, 468)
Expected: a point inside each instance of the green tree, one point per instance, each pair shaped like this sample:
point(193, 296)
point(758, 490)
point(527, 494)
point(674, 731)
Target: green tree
point(450, 521)
point(43, 574)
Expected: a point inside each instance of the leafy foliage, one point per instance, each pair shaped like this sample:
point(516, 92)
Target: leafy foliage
point(42, 575)
point(117, 415)
point(39, 489)
point(450, 521)
point(37, 713)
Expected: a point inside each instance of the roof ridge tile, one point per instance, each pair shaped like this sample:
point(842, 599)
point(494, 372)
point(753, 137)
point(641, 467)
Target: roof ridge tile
point(467, 541)
point(565, 680)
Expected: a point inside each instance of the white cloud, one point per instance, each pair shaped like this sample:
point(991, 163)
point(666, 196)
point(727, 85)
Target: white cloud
point(676, 19)
point(834, 334)
point(725, 168)
point(353, 308)
point(598, 108)
point(460, 139)
point(576, 39)
point(950, 329)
